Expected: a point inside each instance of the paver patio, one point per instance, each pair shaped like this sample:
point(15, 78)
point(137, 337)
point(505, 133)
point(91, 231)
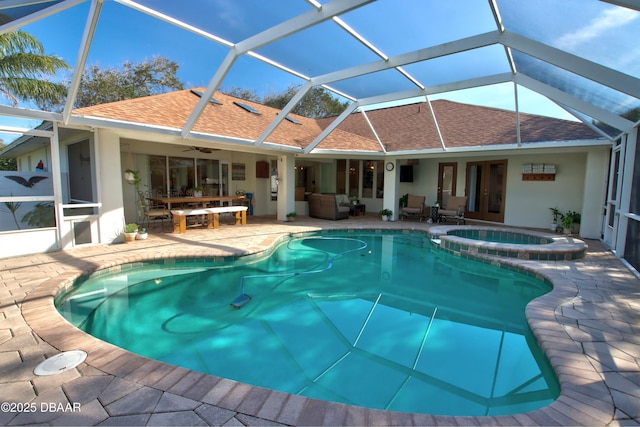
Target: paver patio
point(588, 326)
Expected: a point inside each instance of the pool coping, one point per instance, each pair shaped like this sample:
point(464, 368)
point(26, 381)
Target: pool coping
point(585, 398)
point(560, 248)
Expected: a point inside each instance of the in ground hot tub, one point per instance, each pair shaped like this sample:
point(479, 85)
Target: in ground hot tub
point(508, 242)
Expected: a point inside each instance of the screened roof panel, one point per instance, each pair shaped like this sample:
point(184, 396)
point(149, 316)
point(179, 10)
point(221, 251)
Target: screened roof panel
point(461, 66)
point(434, 41)
point(594, 30)
point(252, 74)
point(400, 26)
point(9, 14)
point(233, 21)
point(375, 84)
point(320, 49)
point(575, 85)
point(603, 127)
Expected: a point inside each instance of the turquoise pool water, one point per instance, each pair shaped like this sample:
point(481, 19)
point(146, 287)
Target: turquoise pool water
point(500, 236)
point(371, 319)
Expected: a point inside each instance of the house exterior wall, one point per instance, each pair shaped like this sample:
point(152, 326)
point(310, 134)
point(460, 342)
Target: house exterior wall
point(108, 186)
point(579, 185)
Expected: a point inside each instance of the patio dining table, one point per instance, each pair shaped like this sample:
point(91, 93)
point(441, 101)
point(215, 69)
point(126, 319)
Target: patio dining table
point(195, 200)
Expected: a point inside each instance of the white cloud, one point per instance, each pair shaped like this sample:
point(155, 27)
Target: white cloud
point(607, 21)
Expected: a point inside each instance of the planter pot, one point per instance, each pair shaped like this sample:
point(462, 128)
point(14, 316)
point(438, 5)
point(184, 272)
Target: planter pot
point(197, 194)
point(291, 219)
point(130, 237)
point(385, 218)
point(554, 227)
point(142, 236)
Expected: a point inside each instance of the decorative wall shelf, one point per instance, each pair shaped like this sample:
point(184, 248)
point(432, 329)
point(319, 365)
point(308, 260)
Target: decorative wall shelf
point(262, 169)
point(538, 176)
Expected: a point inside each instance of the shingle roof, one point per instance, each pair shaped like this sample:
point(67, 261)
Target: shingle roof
point(411, 127)
point(407, 127)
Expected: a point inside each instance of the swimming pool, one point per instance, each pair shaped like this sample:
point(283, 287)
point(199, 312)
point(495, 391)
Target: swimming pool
point(384, 318)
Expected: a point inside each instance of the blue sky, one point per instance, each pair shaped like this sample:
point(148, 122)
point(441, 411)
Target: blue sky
point(127, 35)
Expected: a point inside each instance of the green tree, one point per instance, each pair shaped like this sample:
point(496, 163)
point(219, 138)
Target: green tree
point(318, 102)
point(246, 94)
point(149, 77)
point(8, 164)
point(25, 70)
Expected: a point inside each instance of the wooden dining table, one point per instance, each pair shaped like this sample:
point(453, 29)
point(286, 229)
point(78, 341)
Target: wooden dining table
point(194, 200)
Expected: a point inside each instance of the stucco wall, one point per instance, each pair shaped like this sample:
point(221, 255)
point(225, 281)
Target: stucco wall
point(579, 185)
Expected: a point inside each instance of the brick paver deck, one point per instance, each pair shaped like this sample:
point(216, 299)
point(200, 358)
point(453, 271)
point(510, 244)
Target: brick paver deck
point(588, 326)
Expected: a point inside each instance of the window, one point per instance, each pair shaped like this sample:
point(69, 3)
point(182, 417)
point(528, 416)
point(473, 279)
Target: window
point(292, 120)
point(211, 100)
point(354, 178)
point(247, 107)
point(181, 175)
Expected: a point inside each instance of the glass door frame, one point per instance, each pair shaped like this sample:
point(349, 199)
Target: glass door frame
point(441, 183)
point(485, 188)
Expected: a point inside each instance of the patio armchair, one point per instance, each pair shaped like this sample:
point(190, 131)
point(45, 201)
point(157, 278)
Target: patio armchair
point(154, 212)
point(455, 209)
point(414, 208)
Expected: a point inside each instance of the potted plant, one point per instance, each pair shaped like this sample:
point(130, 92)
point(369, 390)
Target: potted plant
point(567, 222)
point(196, 191)
point(133, 178)
point(402, 202)
point(555, 212)
point(130, 232)
point(142, 234)
point(291, 216)
point(575, 221)
point(354, 200)
point(386, 214)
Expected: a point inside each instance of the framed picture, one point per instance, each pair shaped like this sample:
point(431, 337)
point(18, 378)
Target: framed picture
point(237, 171)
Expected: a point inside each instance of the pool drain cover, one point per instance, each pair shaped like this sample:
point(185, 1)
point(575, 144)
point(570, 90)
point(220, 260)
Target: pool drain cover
point(60, 363)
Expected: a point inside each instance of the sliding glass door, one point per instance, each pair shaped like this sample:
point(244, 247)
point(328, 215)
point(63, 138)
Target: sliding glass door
point(486, 189)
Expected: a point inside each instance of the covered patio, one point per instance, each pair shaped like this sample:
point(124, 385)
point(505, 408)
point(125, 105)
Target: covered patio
point(429, 60)
point(588, 326)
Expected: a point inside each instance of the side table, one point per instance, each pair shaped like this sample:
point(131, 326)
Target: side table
point(435, 214)
point(357, 209)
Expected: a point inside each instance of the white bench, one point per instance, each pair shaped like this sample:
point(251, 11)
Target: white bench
point(213, 216)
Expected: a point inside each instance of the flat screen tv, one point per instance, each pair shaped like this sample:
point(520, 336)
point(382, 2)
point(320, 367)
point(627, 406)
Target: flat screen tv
point(406, 173)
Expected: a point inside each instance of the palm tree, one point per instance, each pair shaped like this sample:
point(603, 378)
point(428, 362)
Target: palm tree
point(24, 69)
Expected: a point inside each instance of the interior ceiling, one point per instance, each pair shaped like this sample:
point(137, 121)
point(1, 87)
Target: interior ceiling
point(580, 54)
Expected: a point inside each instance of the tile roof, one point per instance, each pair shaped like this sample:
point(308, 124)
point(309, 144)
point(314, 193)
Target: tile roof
point(407, 127)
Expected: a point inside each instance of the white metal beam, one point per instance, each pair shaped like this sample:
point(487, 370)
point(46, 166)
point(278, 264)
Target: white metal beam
point(299, 23)
point(432, 90)
point(36, 16)
point(373, 130)
point(215, 82)
point(419, 55)
point(283, 113)
point(631, 4)
point(265, 37)
point(331, 127)
point(434, 119)
point(81, 60)
point(591, 70)
point(173, 21)
point(29, 114)
point(582, 106)
point(9, 4)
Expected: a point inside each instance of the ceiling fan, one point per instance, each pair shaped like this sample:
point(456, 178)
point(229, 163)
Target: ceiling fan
point(202, 149)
